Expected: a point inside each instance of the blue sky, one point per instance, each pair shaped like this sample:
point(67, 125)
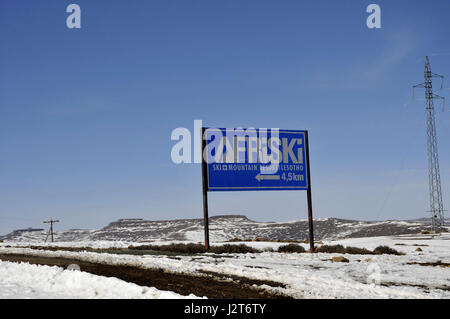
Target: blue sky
point(86, 115)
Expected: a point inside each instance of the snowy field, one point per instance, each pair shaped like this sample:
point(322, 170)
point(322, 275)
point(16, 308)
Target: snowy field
point(305, 275)
point(36, 282)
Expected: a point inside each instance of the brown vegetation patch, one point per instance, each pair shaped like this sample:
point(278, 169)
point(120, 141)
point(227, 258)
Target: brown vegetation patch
point(433, 264)
point(381, 250)
point(198, 249)
point(291, 248)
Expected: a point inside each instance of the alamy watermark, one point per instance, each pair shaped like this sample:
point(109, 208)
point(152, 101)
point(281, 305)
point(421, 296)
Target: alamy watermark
point(73, 21)
point(236, 146)
point(374, 19)
point(73, 267)
point(373, 274)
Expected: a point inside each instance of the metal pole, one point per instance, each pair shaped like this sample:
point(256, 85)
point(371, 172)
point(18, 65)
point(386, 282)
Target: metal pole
point(434, 176)
point(308, 194)
point(205, 191)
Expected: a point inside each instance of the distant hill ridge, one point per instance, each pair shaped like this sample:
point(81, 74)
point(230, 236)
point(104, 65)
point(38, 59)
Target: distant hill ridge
point(225, 227)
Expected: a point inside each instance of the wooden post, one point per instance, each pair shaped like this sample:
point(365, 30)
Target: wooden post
point(50, 232)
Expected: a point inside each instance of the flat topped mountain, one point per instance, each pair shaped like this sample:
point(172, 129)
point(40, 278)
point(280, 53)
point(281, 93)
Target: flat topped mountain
point(223, 228)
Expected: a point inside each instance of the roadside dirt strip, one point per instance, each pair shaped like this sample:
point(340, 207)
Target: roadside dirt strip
point(211, 285)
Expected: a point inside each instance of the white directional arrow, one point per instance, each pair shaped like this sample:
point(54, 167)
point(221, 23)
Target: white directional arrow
point(260, 177)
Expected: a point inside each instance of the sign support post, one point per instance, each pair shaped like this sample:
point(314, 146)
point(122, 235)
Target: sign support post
point(205, 190)
point(308, 195)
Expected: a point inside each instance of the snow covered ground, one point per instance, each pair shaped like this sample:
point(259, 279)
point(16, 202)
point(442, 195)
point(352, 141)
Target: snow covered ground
point(24, 280)
point(305, 275)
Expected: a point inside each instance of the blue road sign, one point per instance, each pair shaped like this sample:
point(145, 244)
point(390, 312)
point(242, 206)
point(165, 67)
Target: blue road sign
point(255, 159)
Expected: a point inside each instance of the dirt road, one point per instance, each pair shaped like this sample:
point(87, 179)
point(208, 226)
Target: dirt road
point(211, 285)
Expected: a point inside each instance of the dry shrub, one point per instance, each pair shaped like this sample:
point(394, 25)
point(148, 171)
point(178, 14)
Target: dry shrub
point(339, 249)
point(380, 250)
point(233, 249)
point(291, 248)
point(358, 251)
point(332, 249)
point(192, 248)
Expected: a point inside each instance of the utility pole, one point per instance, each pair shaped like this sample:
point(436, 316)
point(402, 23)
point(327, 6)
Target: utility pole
point(50, 231)
point(434, 177)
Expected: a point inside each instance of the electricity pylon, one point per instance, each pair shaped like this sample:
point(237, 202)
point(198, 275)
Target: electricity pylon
point(434, 176)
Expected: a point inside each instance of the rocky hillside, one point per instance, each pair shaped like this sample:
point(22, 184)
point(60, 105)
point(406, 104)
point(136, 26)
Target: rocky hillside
point(223, 228)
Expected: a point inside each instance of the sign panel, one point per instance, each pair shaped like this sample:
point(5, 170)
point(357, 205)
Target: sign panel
point(255, 159)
